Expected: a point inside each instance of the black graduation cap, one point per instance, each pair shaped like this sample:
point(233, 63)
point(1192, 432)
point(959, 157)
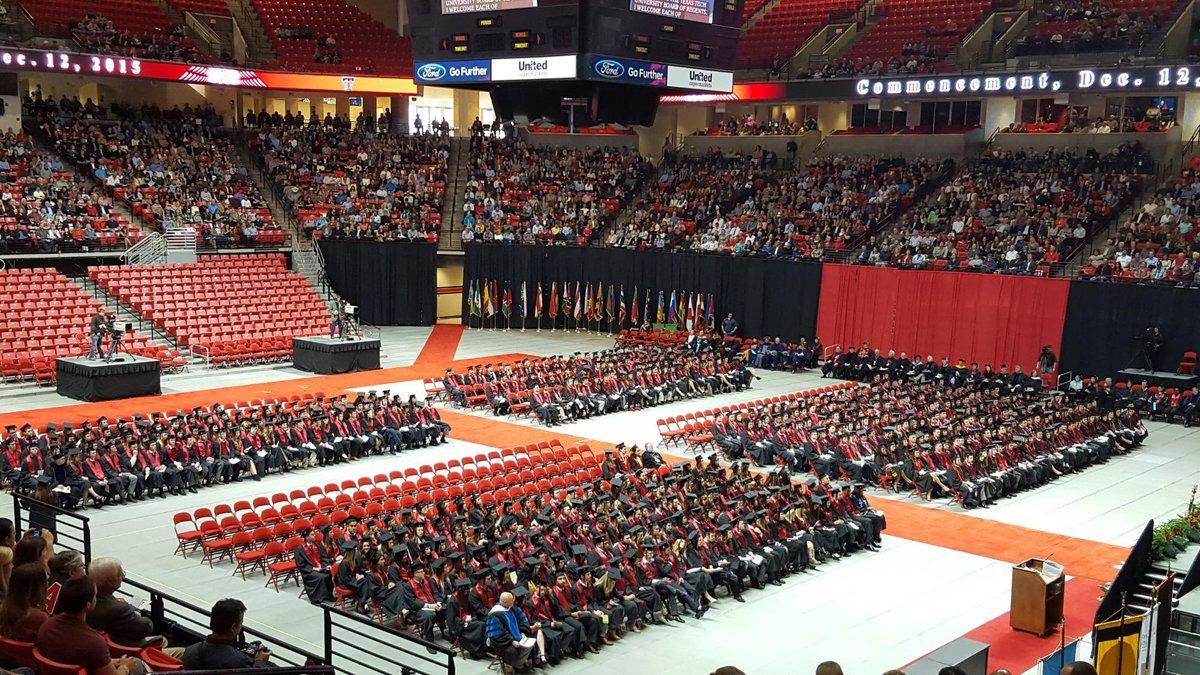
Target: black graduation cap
point(693, 535)
point(507, 541)
point(724, 527)
point(348, 545)
point(630, 554)
point(462, 584)
point(45, 480)
point(520, 591)
point(51, 427)
point(617, 481)
point(818, 499)
point(438, 564)
point(501, 568)
point(613, 573)
point(578, 550)
point(398, 549)
point(10, 428)
point(384, 536)
point(635, 530)
point(532, 562)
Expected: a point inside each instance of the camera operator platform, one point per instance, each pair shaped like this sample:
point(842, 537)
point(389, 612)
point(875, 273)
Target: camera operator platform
point(101, 376)
point(1142, 365)
point(344, 350)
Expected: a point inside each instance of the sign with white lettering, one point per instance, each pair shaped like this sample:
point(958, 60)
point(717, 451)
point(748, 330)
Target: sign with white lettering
point(1147, 80)
point(534, 68)
point(683, 77)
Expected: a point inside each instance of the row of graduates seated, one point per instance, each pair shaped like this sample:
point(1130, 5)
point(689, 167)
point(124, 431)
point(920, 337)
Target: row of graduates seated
point(568, 388)
point(974, 442)
point(576, 571)
point(113, 462)
point(1168, 404)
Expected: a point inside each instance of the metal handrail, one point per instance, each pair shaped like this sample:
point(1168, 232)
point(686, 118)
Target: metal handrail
point(78, 527)
point(169, 611)
point(379, 649)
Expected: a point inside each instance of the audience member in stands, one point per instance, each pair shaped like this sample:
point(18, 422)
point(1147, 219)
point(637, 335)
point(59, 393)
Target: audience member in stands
point(224, 649)
point(67, 637)
point(66, 564)
point(122, 621)
point(1079, 668)
point(97, 35)
point(37, 546)
point(829, 668)
point(6, 569)
point(24, 608)
point(8, 534)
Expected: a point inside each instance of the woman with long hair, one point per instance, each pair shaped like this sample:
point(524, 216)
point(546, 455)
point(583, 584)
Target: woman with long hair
point(24, 608)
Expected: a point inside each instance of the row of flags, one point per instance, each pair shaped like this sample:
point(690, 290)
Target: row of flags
point(589, 302)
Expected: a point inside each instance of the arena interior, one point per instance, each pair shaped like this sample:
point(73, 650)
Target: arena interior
point(769, 337)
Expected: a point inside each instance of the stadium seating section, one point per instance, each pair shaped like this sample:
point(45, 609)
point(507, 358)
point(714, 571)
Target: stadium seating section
point(544, 195)
point(48, 209)
point(137, 28)
point(939, 24)
point(45, 316)
point(362, 43)
point(180, 173)
point(231, 310)
point(783, 29)
point(357, 184)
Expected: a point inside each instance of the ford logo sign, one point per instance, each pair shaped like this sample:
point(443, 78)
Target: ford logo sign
point(609, 68)
point(432, 72)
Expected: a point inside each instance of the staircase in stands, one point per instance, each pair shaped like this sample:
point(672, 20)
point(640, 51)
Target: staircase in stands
point(259, 48)
point(310, 263)
point(450, 238)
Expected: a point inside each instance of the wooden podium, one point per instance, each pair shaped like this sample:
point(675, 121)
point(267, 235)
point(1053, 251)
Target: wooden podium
point(1037, 596)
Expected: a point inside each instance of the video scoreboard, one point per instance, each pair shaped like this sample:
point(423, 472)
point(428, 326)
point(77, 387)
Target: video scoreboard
point(670, 44)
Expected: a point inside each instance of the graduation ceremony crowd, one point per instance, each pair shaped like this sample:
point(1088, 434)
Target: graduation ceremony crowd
point(105, 462)
point(560, 389)
point(545, 577)
point(938, 429)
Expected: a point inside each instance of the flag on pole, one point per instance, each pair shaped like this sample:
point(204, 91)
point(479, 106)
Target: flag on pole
point(658, 312)
point(496, 295)
point(646, 311)
point(566, 299)
point(472, 308)
point(524, 305)
point(553, 300)
point(598, 304)
point(709, 318)
point(537, 302)
point(506, 303)
point(699, 309)
point(578, 303)
point(609, 309)
point(633, 309)
point(673, 311)
point(487, 299)
point(691, 308)
point(679, 314)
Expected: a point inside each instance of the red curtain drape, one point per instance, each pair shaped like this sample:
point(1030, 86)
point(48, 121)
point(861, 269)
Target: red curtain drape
point(988, 318)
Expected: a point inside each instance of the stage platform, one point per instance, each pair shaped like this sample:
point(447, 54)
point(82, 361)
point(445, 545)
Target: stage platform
point(1159, 378)
point(327, 356)
point(131, 376)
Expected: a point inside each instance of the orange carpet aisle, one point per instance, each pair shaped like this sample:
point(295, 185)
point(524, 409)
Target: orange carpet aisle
point(442, 344)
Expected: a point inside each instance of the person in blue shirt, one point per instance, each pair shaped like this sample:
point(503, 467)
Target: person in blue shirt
point(503, 627)
point(729, 326)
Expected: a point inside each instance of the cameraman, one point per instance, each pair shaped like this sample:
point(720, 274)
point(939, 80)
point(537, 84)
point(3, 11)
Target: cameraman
point(97, 335)
point(224, 649)
point(1046, 360)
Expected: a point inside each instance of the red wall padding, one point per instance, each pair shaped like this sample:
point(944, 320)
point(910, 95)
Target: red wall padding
point(988, 318)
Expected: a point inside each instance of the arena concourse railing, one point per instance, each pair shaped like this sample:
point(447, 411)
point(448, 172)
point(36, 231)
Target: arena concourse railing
point(355, 644)
point(67, 527)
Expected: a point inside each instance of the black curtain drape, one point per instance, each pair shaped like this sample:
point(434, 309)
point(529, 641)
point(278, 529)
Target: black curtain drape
point(767, 297)
point(1103, 319)
point(393, 283)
